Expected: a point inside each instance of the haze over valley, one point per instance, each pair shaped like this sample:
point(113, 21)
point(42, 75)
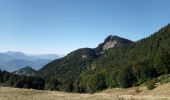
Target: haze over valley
point(12, 61)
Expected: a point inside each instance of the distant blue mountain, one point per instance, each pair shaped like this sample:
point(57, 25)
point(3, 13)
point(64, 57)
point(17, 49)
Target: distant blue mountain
point(48, 56)
point(5, 58)
point(12, 61)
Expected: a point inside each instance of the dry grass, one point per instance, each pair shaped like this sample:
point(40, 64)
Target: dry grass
point(162, 92)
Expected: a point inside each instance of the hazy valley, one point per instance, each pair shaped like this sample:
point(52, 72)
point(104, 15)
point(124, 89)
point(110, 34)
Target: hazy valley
point(12, 61)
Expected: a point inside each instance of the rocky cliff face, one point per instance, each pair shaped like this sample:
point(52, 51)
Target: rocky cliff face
point(110, 42)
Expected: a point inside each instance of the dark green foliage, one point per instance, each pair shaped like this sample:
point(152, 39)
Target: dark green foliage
point(26, 86)
point(111, 80)
point(143, 70)
point(52, 84)
point(22, 81)
point(125, 77)
point(38, 83)
point(162, 61)
point(150, 85)
point(69, 87)
point(4, 76)
point(95, 83)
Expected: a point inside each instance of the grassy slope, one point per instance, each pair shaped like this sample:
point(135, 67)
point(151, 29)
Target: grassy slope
point(162, 92)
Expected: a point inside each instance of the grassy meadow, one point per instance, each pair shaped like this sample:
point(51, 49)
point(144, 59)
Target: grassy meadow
point(161, 92)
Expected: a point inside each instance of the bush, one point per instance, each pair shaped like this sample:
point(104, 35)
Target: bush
point(52, 84)
point(150, 85)
point(26, 86)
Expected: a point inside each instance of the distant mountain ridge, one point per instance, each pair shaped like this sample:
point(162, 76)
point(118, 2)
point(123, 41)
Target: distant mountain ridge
point(12, 61)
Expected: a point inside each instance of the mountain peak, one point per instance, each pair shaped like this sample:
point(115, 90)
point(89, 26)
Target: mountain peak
point(110, 42)
point(116, 38)
point(111, 37)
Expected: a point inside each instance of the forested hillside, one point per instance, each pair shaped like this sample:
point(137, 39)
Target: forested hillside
point(68, 69)
point(117, 62)
point(129, 64)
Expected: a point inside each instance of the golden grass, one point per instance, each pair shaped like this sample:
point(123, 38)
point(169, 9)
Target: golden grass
point(162, 92)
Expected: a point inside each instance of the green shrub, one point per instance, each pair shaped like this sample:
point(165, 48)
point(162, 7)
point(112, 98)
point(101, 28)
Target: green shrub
point(150, 85)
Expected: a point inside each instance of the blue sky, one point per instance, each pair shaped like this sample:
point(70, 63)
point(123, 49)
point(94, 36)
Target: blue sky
point(60, 26)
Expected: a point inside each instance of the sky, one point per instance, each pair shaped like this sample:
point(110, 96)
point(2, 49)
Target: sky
point(61, 26)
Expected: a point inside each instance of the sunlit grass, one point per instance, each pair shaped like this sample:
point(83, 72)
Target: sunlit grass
point(162, 92)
